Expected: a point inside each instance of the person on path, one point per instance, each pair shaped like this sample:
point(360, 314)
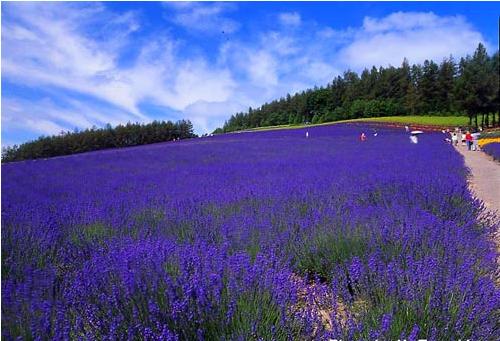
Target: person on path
point(447, 136)
point(475, 141)
point(468, 140)
point(454, 139)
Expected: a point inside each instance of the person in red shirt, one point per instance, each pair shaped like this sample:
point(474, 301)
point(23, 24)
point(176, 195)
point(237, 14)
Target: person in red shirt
point(468, 139)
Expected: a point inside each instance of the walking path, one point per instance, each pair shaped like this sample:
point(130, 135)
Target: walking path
point(484, 183)
point(485, 179)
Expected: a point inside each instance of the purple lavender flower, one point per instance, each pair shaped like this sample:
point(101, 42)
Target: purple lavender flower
point(493, 149)
point(414, 333)
point(385, 324)
point(355, 269)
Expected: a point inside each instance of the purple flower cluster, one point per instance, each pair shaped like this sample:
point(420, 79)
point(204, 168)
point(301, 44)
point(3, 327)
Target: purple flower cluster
point(266, 235)
point(493, 149)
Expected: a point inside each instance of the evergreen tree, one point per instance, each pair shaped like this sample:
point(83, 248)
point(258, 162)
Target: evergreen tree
point(495, 83)
point(475, 86)
point(428, 87)
point(445, 82)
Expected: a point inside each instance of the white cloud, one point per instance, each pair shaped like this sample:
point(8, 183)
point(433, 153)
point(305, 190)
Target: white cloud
point(336, 37)
point(207, 18)
point(20, 114)
point(402, 21)
point(290, 18)
point(280, 62)
point(208, 116)
point(53, 51)
point(416, 36)
point(321, 71)
point(262, 68)
point(195, 81)
point(47, 117)
point(58, 51)
point(281, 44)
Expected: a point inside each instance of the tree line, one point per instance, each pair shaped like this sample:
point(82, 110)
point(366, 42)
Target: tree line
point(131, 134)
point(469, 87)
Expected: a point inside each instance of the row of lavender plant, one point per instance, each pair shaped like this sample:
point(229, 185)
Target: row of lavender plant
point(493, 149)
point(266, 235)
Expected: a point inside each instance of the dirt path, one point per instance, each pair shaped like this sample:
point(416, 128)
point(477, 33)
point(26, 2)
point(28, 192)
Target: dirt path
point(485, 179)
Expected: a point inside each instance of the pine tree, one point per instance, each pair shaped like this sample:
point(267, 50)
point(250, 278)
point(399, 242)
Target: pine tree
point(412, 101)
point(428, 86)
point(495, 82)
point(445, 82)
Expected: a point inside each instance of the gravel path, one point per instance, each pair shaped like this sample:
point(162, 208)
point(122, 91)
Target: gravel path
point(484, 184)
point(485, 179)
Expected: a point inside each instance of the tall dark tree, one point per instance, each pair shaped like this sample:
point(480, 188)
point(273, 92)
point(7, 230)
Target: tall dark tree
point(403, 82)
point(412, 101)
point(495, 84)
point(445, 83)
point(429, 86)
point(475, 86)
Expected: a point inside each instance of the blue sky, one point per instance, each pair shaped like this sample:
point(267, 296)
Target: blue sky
point(76, 65)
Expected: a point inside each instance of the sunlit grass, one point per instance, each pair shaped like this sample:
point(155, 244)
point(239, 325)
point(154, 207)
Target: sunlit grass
point(444, 121)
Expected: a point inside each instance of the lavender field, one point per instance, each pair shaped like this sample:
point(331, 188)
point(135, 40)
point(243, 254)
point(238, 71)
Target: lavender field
point(264, 235)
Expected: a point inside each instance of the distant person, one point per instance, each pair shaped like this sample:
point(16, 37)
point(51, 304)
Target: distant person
point(454, 139)
point(407, 128)
point(307, 134)
point(468, 140)
point(463, 139)
point(475, 141)
point(362, 137)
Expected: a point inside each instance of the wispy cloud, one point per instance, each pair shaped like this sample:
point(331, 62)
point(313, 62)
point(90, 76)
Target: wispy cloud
point(47, 116)
point(414, 35)
point(290, 18)
point(56, 50)
point(18, 114)
point(203, 17)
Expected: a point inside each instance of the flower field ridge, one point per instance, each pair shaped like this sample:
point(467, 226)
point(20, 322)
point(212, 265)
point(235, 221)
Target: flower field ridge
point(235, 237)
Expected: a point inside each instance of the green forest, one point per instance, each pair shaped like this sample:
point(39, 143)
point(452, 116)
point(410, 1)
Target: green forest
point(131, 134)
point(467, 88)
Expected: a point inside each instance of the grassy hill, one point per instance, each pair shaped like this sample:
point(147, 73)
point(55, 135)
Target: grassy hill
point(438, 121)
